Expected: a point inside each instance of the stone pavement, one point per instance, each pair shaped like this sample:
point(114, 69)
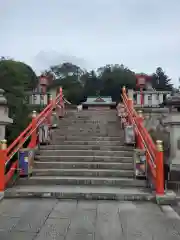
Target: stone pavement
point(46, 219)
point(176, 206)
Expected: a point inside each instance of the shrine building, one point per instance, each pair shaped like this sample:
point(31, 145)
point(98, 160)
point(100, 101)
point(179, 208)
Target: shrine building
point(96, 103)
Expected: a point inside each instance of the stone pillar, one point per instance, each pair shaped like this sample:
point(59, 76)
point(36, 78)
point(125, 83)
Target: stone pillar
point(173, 124)
point(161, 96)
point(155, 100)
point(131, 94)
point(138, 99)
point(147, 100)
point(4, 119)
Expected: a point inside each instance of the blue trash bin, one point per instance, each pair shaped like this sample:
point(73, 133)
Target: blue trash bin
point(26, 159)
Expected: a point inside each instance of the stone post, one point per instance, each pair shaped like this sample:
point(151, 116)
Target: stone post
point(160, 98)
point(173, 124)
point(131, 94)
point(4, 111)
point(155, 99)
point(138, 99)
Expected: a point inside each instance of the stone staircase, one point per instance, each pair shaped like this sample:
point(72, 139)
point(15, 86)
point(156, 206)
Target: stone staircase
point(87, 159)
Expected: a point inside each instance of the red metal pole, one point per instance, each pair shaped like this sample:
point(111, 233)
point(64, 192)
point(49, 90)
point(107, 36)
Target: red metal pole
point(159, 168)
point(61, 102)
point(130, 107)
point(61, 95)
point(49, 117)
point(33, 142)
point(3, 155)
point(140, 120)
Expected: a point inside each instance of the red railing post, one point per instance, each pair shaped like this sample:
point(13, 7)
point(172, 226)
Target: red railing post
point(60, 95)
point(130, 107)
point(159, 168)
point(3, 155)
point(61, 101)
point(49, 117)
point(140, 120)
point(60, 107)
point(33, 141)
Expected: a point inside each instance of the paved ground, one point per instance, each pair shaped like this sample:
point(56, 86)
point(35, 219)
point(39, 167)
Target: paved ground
point(176, 207)
point(71, 220)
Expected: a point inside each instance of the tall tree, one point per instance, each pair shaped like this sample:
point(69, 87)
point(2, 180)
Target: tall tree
point(92, 86)
point(160, 81)
point(68, 76)
point(66, 69)
point(113, 78)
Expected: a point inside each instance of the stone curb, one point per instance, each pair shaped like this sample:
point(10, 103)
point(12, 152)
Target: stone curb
point(1, 196)
point(168, 198)
point(81, 196)
point(169, 212)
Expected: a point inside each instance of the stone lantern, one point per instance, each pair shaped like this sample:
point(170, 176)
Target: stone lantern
point(4, 111)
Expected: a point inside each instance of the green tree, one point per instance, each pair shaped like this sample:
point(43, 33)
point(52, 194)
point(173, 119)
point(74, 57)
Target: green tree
point(15, 79)
point(65, 70)
point(92, 84)
point(113, 78)
point(160, 81)
point(108, 80)
point(68, 76)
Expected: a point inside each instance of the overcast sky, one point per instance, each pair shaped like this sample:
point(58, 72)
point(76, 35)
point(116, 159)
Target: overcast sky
point(141, 34)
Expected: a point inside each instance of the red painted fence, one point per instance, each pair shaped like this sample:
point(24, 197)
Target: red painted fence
point(31, 132)
point(154, 152)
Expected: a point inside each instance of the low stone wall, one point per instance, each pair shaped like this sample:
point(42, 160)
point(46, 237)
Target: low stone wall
point(159, 124)
point(154, 123)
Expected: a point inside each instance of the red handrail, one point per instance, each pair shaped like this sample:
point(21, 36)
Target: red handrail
point(6, 154)
point(153, 154)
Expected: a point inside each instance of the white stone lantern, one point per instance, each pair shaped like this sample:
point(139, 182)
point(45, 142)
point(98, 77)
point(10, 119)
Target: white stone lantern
point(4, 118)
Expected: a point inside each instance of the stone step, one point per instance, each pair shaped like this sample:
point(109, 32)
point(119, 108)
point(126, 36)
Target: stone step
point(87, 126)
point(77, 180)
point(113, 173)
point(89, 121)
point(80, 193)
point(87, 134)
point(85, 158)
point(89, 138)
point(84, 165)
point(85, 153)
point(87, 147)
point(91, 142)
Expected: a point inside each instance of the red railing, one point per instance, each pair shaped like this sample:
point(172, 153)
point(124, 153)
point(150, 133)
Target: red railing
point(154, 152)
point(31, 132)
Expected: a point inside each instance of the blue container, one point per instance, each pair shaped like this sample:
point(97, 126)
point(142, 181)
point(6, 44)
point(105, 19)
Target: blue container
point(26, 158)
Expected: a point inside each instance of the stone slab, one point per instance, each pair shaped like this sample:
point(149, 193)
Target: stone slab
point(85, 153)
point(97, 220)
point(81, 180)
point(85, 172)
point(85, 158)
point(4, 235)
